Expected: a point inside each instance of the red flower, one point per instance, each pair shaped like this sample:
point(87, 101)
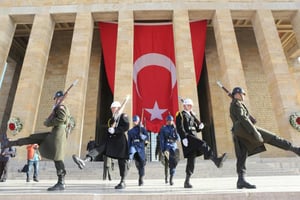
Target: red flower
point(298, 120)
point(12, 126)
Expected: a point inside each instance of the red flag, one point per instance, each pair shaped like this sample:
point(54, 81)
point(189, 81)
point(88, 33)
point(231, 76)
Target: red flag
point(198, 35)
point(154, 74)
point(108, 36)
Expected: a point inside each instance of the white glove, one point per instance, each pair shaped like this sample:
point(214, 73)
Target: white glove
point(111, 130)
point(185, 142)
point(258, 136)
point(201, 125)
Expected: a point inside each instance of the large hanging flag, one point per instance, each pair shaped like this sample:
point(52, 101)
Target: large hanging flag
point(154, 74)
point(155, 93)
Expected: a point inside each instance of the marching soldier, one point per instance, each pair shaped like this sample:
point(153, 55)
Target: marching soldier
point(159, 154)
point(168, 138)
point(137, 138)
point(52, 144)
point(187, 126)
point(116, 145)
point(249, 139)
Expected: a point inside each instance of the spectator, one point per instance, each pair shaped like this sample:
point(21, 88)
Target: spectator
point(33, 158)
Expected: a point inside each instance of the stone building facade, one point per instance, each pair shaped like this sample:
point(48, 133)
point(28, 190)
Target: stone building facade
point(46, 45)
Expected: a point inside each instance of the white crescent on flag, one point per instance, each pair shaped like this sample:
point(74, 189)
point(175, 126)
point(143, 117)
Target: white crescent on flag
point(151, 59)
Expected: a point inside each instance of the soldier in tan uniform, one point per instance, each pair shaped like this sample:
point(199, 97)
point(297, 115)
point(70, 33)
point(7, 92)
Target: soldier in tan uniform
point(248, 138)
point(52, 144)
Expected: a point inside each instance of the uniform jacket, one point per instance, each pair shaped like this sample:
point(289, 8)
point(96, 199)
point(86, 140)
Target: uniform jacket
point(243, 128)
point(168, 137)
point(188, 127)
point(137, 136)
point(53, 146)
point(116, 144)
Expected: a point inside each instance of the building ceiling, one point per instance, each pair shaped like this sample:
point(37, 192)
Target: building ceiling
point(284, 28)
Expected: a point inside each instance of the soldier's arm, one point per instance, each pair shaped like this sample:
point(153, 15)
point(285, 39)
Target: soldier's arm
point(59, 118)
point(243, 118)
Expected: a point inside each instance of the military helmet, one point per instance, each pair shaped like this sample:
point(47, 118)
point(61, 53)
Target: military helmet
point(238, 90)
point(188, 102)
point(135, 118)
point(169, 118)
point(59, 93)
point(115, 104)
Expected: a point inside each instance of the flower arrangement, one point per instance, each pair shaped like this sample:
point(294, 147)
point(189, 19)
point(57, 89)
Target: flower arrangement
point(14, 125)
point(295, 120)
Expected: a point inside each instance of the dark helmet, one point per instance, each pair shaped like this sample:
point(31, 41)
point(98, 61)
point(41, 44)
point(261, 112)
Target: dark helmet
point(238, 90)
point(58, 94)
point(169, 118)
point(135, 118)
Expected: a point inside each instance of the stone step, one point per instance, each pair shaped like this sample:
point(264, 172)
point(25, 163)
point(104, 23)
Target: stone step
point(154, 170)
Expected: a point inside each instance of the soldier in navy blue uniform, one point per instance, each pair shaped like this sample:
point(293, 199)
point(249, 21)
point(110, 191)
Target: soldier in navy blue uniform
point(168, 137)
point(188, 126)
point(137, 138)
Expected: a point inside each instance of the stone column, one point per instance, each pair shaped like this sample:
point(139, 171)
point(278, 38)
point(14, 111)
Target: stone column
point(27, 98)
point(7, 29)
point(6, 36)
point(281, 83)
point(296, 28)
point(186, 79)
point(78, 69)
point(124, 59)
point(230, 71)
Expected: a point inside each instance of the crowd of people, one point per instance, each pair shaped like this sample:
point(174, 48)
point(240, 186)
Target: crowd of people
point(128, 145)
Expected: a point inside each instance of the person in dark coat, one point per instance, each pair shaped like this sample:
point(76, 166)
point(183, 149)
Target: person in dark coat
point(52, 144)
point(162, 158)
point(188, 126)
point(168, 144)
point(137, 138)
point(116, 144)
point(249, 139)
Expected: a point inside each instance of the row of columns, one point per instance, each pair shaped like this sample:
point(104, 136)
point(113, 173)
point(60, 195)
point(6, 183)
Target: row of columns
point(34, 67)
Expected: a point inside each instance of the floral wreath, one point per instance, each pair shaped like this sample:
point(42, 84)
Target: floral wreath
point(15, 125)
point(295, 120)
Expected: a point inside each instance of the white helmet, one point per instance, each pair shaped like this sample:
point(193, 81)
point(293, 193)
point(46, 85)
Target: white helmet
point(188, 102)
point(115, 104)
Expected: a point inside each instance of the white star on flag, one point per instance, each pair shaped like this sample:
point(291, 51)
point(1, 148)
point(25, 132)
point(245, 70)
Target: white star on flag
point(155, 112)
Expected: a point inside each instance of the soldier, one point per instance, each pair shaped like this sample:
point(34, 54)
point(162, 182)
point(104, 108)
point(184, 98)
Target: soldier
point(116, 145)
point(52, 144)
point(187, 126)
point(137, 138)
point(159, 155)
point(168, 138)
point(249, 139)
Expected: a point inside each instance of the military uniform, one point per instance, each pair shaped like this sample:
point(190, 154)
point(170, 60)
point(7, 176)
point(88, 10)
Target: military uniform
point(168, 144)
point(52, 144)
point(188, 126)
point(246, 137)
point(137, 137)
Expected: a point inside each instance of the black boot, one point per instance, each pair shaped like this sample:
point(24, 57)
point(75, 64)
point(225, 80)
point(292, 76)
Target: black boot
point(121, 185)
point(80, 162)
point(60, 185)
point(187, 182)
point(171, 180)
point(242, 183)
point(141, 181)
point(219, 160)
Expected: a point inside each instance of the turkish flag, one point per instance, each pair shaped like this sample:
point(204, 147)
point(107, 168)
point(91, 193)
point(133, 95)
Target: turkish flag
point(154, 74)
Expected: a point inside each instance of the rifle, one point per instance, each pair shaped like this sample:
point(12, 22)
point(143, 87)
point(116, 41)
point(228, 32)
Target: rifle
point(62, 99)
point(252, 119)
point(119, 111)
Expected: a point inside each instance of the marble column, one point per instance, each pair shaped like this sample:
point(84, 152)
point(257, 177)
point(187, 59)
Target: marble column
point(27, 97)
point(124, 59)
point(78, 69)
point(7, 30)
point(280, 82)
point(230, 71)
point(186, 79)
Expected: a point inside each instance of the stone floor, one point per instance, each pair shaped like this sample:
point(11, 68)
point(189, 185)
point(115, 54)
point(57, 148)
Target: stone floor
point(275, 178)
